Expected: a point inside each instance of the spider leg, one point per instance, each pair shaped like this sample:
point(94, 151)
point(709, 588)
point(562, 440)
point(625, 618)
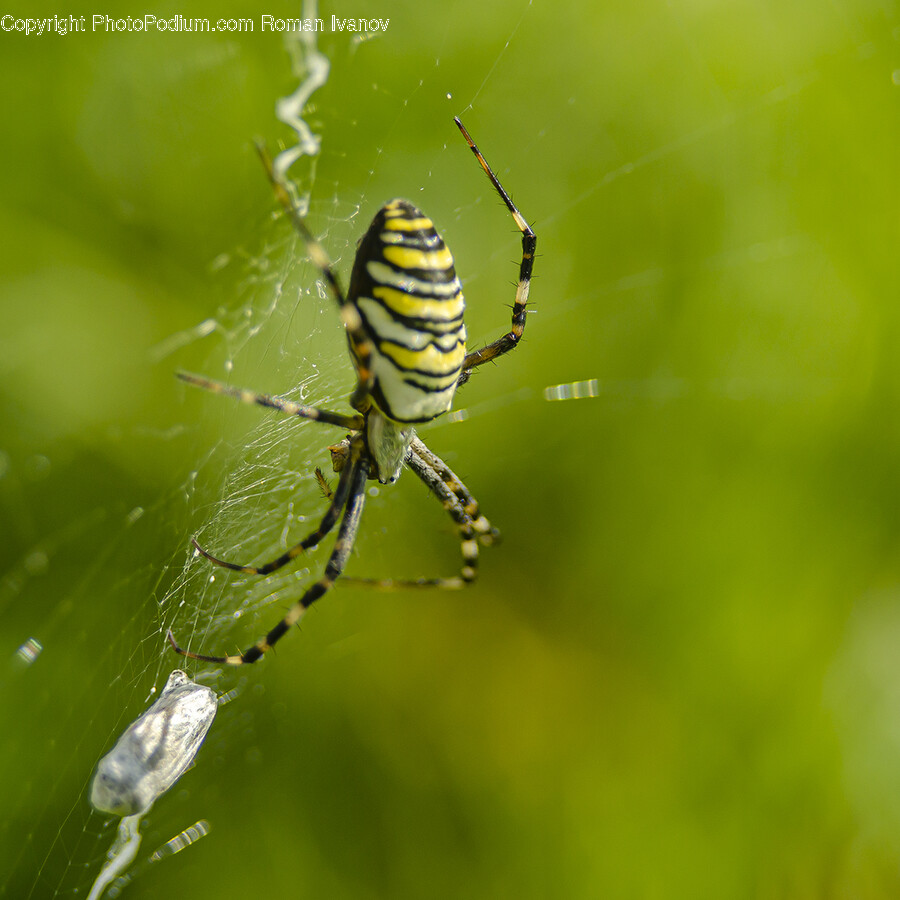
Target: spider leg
point(354, 423)
point(484, 531)
point(430, 470)
point(360, 344)
point(510, 340)
point(359, 472)
point(338, 500)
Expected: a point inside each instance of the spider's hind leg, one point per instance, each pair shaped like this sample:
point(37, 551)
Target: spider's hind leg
point(509, 340)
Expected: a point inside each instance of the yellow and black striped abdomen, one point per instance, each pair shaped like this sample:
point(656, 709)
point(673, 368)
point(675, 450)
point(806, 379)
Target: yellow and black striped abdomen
point(406, 290)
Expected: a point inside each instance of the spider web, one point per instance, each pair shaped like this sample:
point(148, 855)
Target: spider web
point(282, 312)
point(250, 493)
point(87, 598)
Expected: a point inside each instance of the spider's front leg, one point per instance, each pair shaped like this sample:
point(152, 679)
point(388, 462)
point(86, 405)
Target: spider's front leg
point(486, 534)
point(337, 500)
point(473, 528)
point(358, 472)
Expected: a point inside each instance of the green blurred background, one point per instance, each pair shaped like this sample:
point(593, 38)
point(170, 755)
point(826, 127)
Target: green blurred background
point(678, 675)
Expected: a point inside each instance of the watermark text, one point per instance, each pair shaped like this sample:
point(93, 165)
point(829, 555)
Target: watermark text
point(106, 24)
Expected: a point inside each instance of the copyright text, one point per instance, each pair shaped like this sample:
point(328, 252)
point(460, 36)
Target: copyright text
point(72, 24)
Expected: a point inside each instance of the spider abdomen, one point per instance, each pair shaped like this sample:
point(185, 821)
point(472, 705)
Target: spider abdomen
point(405, 287)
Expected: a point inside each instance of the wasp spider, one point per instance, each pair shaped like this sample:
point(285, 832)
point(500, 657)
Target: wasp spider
point(403, 316)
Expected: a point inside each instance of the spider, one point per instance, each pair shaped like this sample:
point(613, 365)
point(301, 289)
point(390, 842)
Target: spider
point(403, 315)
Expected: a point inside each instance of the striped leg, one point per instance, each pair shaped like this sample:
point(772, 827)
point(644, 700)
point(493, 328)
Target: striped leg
point(510, 340)
point(360, 344)
point(338, 498)
point(469, 535)
point(354, 423)
point(484, 531)
point(359, 469)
